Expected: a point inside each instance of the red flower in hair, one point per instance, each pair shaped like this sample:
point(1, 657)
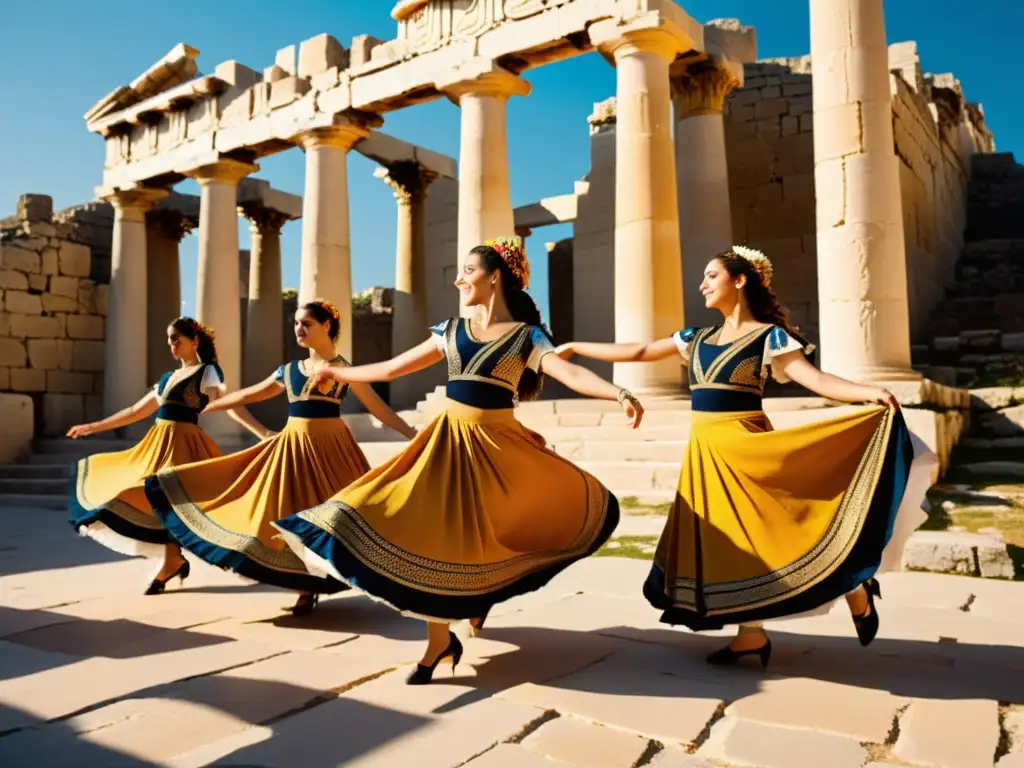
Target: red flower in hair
point(511, 250)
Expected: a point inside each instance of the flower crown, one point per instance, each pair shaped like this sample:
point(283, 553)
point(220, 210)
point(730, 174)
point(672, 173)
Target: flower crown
point(199, 328)
point(329, 308)
point(758, 261)
point(512, 251)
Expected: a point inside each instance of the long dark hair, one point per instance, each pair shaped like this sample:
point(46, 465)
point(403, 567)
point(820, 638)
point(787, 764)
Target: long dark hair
point(523, 310)
point(761, 299)
point(325, 312)
point(195, 331)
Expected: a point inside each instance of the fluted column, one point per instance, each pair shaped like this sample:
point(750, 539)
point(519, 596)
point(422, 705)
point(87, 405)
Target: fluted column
point(864, 322)
point(705, 217)
point(326, 237)
point(164, 231)
point(485, 199)
point(125, 377)
point(648, 259)
point(264, 323)
point(218, 303)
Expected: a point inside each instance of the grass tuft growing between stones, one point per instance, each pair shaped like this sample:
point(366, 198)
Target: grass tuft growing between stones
point(636, 547)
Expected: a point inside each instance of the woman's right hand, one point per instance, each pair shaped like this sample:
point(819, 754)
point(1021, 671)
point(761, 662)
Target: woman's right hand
point(633, 409)
point(81, 430)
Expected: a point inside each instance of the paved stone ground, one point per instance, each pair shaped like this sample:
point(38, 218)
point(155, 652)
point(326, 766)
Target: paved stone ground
point(94, 674)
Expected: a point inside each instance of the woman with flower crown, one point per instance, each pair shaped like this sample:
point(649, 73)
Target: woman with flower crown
point(222, 509)
point(107, 501)
point(476, 510)
point(771, 523)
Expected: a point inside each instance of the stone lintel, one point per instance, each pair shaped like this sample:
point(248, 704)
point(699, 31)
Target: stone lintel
point(257, 193)
point(343, 133)
point(482, 76)
point(224, 171)
point(388, 150)
point(408, 179)
point(729, 40)
point(560, 209)
point(167, 101)
point(667, 32)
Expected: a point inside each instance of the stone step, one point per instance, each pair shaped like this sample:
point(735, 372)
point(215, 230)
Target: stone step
point(46, 471)
point(69, 447)
point(34, 486)
point(22, 501)
point(651, 450)
point(640, 475)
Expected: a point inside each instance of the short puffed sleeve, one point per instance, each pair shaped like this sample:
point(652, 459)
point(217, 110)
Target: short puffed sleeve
point(440, 332)
point(781, 342)
point(279, 374)
point(684, 340)
point(540, 345)
point(212, 383)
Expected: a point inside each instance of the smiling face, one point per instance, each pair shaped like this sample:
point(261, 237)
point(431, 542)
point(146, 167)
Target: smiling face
point(182, 347)
point(310, 333)
point(476, 285)
point(721, 290)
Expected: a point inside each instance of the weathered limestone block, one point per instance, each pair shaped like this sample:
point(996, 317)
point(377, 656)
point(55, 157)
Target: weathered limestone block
point(36, 327)
point(53, 303)
point(580, 743)
point(50, 261)
point(85, 327)
point(5, 324)
point(75, 259)
point(743, 742)
point(284, 92)
point(43, 354)
point(72, 383)
point(12, 353)
point(88, 356)
point(994, 398)
point(22, 302)
point(65, 352)
point(28, 380)
point(16, 414)
point(362, 49)
point(37, 283)
point(13, 255)
point(12, 280)
point(61, 411)
point(100, 299)
point(932, 733)
point(969, 554)
point(33, 208)
point(321, 53)
point(65, 286)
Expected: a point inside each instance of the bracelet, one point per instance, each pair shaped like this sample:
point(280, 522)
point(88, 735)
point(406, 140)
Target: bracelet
point(625, 394)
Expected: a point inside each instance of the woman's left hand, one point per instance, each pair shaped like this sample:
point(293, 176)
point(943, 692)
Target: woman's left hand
point(633, 409)
point(324, 375)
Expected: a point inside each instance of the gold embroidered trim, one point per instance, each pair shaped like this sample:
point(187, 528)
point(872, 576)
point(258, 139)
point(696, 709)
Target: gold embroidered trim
point(747, 373)
point(124, 510)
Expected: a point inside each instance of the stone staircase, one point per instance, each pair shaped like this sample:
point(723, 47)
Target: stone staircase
point(41, 481)
point(975, 336)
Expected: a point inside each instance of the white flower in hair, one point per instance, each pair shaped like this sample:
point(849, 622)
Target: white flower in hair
point(759, 261)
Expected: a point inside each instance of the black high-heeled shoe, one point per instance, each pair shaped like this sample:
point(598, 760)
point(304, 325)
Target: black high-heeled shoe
point(728, 656)
point(156, 586)
point(422, 675)
point(304, 605)
point(866, 623)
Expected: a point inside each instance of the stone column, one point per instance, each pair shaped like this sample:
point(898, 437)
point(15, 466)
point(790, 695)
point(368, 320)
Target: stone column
point(705, 217)
point(264, 322)
point(485, 201)
point(326, 243)
point(864, 322)
point(125, 377)
point(164, 231)
point(218, 304)
point(648, 258)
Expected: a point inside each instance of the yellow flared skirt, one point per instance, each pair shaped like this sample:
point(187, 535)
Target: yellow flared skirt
point(108, 501)
point(222, 510)
point(769, 523)
point(474, 511)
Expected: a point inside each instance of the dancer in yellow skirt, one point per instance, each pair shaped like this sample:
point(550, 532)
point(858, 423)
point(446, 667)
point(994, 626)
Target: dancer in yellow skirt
point(222, 509)
point(476, 510)
point(107, 500)
point(769, 523)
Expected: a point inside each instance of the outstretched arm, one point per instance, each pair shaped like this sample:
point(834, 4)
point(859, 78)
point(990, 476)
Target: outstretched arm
point(410, 361)
point(382, 410)
point(588, 383)
point(122, 418)
point(257, 393)
point(621, 353)
point(794, 366)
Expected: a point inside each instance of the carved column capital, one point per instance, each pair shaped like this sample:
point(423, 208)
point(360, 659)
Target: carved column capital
point(132, 204)
point(174, 224)
point(348, 129)
point(224, 171)
point(263, 219)
point(408, 179)
point(485, 80)
point(702, 91)
point(616, 42)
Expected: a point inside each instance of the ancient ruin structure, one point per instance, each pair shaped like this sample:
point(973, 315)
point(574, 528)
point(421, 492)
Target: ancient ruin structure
point(853, 178)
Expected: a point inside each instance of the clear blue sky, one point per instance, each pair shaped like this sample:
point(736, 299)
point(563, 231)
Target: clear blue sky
point(59, 57)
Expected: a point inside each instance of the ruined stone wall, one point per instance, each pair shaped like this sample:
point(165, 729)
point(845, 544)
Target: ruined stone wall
point(52, 313)
point(770, 145)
